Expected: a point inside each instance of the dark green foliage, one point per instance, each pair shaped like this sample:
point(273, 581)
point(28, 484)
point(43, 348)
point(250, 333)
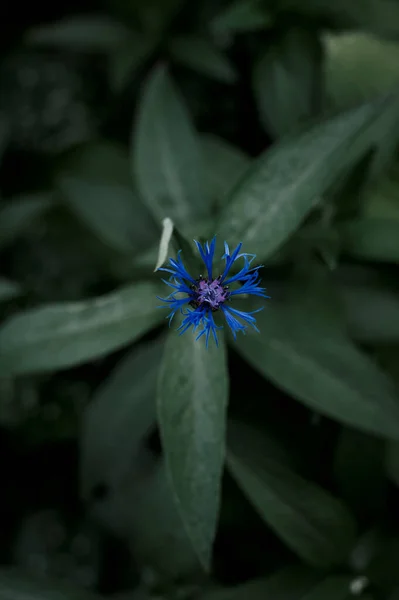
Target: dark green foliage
point(136, 463)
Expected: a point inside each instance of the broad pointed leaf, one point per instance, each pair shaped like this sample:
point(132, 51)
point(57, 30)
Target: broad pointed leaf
point(59, 335)
point(119, 416)
point(310, 521)
point(224, 165)
point(204, 57)
point(371, 239)
point(242, 16)
point(165, 154)
point(371, 305)
point(89, 33)
point(283, 185)
point(287, 81)
point(95, 184)
point(359, 66)
point(115, 457)
point(192, 399)
point(20, 213)
point(322, 368)
point(8, 289)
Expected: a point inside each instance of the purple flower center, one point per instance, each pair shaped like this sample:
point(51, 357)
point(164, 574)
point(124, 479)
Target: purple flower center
point(209, 292)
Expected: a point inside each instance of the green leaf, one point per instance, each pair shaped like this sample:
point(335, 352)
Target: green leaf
point(15, 585)
point(345, 198)
point(8, 289)
point(262, 441)
point(290, 583)
point(371, 306)
point(107, 210)
point(379, 16)
point(359, 66)
point(385, 143)
point(332, 588)
point(95, 184)
point(143, 510)
point(282, 186)
point(118, 418)
point(381, 199)
point(127, 58)
point(202, 230)
point(20, 213)
point(370, 239)
point(192, 260)
point(192, 400)
point(321, 238)
point(359, 473)
point(240, 17)
point(224, 165)
point(163, 252)
point(287, 81)
point(101, 160)
point(204, 57)
point(56, 336)
point(154, 16)
point(318, 365)
point(311, 522)
point(89, 33)
point(172, 235)
point(166, 155)
point(114, 454)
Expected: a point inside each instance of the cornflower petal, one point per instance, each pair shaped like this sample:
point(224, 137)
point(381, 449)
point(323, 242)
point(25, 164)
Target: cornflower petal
point(230, 259)
point(242, 275)
point(179, 287)
point(207, 254)
point(203, 297)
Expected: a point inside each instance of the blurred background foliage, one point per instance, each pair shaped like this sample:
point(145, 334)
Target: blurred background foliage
point(272, 123)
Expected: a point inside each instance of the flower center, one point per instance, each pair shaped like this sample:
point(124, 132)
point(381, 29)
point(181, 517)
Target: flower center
point(208, 292)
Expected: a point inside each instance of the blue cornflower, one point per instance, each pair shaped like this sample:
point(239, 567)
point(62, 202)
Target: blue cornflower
point(204, 296)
